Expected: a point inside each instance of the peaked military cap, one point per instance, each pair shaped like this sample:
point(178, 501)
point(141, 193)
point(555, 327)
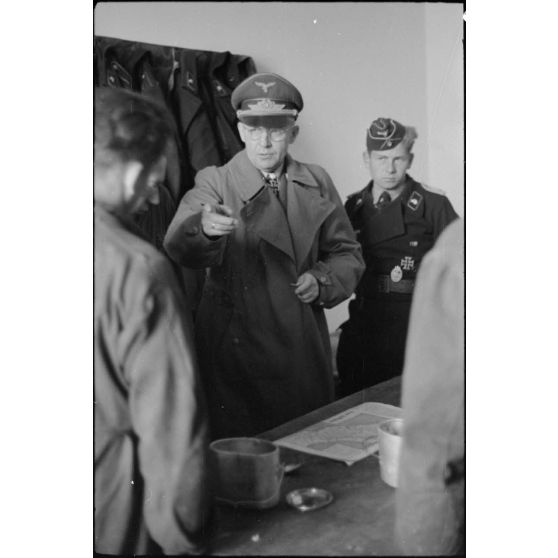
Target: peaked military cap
point(384, 133)
point(266, 94)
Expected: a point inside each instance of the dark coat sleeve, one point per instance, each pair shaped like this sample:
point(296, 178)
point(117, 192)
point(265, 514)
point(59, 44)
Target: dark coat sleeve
point(167, 412)
point(185, 241)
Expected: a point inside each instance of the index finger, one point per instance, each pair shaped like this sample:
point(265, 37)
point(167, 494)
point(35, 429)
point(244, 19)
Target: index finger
point(223, 209)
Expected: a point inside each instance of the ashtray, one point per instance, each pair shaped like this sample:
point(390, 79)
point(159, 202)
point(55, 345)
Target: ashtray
point(308, 499)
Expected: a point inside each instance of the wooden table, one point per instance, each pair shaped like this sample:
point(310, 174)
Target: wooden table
point(359, 521)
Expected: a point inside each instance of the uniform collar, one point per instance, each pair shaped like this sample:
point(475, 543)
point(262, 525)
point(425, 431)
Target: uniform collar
point(299, 173)
point(249, 180)
point(391, 221)
point(403, 190)
point(291, 229)
point(410, 187)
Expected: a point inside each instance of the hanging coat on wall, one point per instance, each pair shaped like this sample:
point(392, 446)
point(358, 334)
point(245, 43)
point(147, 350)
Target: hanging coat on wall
point(196, 87)
point(193, 116)
point(226, 71)
point(147, 69)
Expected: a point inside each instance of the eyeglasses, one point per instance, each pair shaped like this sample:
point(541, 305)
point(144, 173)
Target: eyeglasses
point(276, 134)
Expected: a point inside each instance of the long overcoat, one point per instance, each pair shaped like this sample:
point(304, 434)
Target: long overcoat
point(265, 356)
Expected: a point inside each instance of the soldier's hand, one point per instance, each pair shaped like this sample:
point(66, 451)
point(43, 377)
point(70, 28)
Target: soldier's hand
point(307, 288)
point(217, 220)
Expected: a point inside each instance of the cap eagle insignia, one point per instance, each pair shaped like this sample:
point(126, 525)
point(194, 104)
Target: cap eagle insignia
point(264, 86)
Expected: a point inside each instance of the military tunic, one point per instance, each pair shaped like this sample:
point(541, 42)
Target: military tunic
point(265, 355)
point(394, 241)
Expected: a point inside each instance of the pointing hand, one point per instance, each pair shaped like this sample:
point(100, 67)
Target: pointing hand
point(217, 220)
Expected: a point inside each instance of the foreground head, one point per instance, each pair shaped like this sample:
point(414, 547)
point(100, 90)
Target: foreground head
point(132, 134)
point(267, 106)
point(388, 152)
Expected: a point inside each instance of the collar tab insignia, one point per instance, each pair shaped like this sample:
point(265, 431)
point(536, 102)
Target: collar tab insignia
point(414, 201)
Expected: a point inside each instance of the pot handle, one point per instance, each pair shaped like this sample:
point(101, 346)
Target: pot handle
point(280, 472)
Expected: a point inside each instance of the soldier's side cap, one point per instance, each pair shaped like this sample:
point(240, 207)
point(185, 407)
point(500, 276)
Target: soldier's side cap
point(266, 94)
point(384, 133)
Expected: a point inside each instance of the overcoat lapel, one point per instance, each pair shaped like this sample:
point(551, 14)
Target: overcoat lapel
point(306, 209)
point(293, 233)
point(265, 217)
point(262, 211)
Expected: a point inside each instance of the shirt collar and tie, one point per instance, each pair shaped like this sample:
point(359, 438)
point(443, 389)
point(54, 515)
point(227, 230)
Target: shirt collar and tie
point(383, 200)
point(272, 182)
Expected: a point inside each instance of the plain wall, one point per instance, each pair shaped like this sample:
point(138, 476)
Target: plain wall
point(352, 62)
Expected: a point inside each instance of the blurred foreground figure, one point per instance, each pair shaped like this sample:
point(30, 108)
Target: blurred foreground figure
point(150, 433)
point(430, 498)
point(280, 249)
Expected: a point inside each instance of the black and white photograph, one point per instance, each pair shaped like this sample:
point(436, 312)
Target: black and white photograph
point(279, 278)
point(267, 291)
point(275, 184)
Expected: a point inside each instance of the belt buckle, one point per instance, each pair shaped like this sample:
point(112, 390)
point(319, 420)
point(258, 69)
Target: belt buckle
point(383, 284)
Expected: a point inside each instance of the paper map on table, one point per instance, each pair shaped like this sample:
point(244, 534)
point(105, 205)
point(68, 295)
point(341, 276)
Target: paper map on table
point(349, 436)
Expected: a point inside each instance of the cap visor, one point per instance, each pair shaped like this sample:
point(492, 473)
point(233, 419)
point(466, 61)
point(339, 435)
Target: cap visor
point(267, 120)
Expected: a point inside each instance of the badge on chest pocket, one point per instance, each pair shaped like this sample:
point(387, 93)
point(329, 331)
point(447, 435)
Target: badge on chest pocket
point(396, 274)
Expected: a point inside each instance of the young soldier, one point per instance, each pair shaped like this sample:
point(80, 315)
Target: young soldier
point(397, 221)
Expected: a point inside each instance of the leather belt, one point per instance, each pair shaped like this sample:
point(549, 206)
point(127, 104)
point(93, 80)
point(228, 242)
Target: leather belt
point(384, 284)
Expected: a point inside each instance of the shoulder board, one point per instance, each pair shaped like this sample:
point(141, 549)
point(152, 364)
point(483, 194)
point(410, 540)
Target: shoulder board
point(433, 190)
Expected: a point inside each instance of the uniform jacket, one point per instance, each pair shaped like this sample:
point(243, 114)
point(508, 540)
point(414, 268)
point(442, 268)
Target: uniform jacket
point(401, 234)
point(430, 496)
point(151, 489)
point(266, 355)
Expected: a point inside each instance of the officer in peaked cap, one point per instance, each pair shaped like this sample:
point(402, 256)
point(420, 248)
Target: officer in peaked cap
point(279, 248)
point(397, 220)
